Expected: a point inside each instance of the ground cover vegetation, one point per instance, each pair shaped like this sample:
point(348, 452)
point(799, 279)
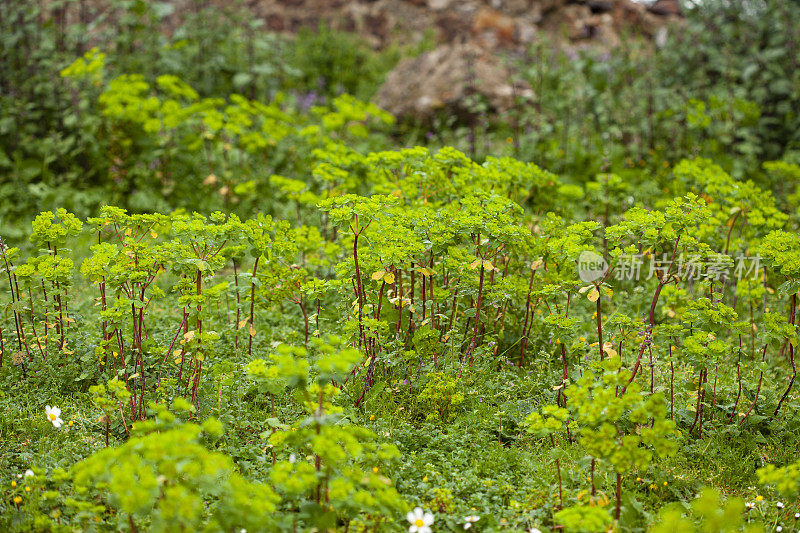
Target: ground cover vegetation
point(238, 296)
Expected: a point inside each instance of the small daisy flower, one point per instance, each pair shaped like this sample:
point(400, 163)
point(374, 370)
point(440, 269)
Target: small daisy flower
point(54, 415)
point(749, 505)
point(778, 528)
point(779, 505)
point(420, 521)
point(469, 520)
point(797, 516)
point(29, 473)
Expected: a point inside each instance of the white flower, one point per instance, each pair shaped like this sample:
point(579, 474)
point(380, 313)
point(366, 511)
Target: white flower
point(54, 415)
point(749, 505)
point(779, 505)
point(778, 528)
point(534, 530)
point(420, 521)
point(469, 520)
point(796, 516)
point(29, 473)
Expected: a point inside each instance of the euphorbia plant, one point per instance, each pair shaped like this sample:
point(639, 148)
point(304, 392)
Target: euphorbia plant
point(705, 343)
point(109, 398)
point(51, 229)
point(628, 431)
point(487, 223)
point(782, 250)
point(331, 469)
point(355, 214)
point(772, 333)
point(662, 236)
point(125, 264)
point(179, 483)
point(196, 249)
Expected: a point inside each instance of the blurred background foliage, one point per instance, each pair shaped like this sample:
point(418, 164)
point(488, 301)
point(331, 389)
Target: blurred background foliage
point(723, 85)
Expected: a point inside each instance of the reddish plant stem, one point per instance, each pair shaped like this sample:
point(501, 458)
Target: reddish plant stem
point(410, 330)
point(305, 318)
point(792, 313)
point(738, 379)
point(558, 469)
point(359, 290)
point(424, 296)
point(758, 388)
point(663, 279)
point(252, 307)
point(198, 291)
point(33, 326)
point(169, 350)
point(238, 305)
point(471, 348)
point(598, 314)
point(524, 341)
point(17, 324)
point(399, 281)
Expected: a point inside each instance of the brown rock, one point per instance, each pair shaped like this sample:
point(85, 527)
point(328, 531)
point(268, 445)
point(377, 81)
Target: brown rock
point(275, 23)
point(665, 8)
point(443, 78)
point(452, 27)
point(438, 5)
point(500, 25)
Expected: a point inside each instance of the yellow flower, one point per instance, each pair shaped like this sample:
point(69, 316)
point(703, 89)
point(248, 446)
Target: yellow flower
point(374, 469)
point(13, 483)
point(27, 489)
point(17, 499)
point(665, 483)
point(759, 498)
point(425, 478)
point(372, 417)
point(69, 423)
point(638, 479)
